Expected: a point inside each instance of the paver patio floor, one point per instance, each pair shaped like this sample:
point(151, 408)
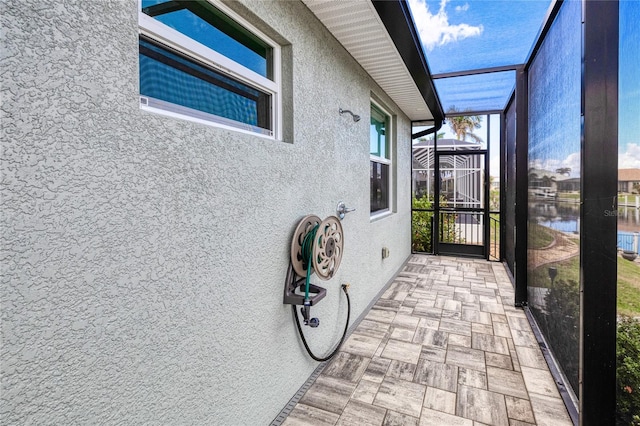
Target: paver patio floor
point(444, 345)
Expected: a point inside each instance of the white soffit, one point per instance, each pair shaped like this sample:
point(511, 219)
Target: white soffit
point(357, 26)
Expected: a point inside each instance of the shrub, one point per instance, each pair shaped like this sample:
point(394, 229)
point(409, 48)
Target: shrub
point(422, 222)
point(628, 372)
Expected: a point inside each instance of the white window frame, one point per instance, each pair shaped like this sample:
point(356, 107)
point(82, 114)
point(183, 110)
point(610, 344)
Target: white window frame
point(174, 39)
point(390, 134)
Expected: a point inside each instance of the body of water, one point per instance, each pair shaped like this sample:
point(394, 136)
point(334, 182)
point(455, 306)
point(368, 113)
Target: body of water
point(628, 226)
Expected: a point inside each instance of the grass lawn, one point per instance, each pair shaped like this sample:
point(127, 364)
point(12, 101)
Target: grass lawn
point(567, 270)
point(539, 236)
point(628, 287)
point(628, 281)
point(569, 195)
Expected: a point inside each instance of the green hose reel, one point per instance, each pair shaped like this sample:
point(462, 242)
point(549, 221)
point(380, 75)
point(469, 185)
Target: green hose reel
point(322, 241)
point(316, 247)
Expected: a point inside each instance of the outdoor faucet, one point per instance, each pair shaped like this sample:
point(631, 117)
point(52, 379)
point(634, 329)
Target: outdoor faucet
point(342, 209)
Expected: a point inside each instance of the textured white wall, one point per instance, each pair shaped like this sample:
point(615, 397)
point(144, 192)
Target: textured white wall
point(143, 257)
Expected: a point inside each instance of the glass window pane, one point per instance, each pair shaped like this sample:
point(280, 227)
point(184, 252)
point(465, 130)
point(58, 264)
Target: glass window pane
point(379, 186)
point(553, 255)
point(379, 144)
point(170, 77)
point(212, 28)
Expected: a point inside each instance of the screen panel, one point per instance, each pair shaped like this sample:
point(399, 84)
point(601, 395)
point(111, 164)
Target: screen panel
point(553, 259)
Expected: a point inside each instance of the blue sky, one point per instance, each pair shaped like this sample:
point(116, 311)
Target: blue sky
point(464, 34)
point(629, 86)
point(470, 34)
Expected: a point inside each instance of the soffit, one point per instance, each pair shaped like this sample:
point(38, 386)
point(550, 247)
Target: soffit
point(358, 28)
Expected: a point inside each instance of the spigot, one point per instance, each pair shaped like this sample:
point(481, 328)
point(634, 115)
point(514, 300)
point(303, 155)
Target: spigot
point(342, 209)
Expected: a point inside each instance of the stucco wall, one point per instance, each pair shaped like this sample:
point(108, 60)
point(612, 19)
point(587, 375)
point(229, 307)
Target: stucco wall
point(143, 257)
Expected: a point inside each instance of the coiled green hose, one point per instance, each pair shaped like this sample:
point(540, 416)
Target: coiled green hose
point(307, 253)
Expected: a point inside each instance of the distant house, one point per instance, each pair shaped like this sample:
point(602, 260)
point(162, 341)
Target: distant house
point(543, 183)
point(566, 184)
point(546, 184)
point(629, 180)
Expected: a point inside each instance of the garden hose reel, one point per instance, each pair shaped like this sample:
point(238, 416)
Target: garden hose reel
point(316, 247)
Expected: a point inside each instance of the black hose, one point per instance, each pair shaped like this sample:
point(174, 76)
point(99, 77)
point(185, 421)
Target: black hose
point(296, 319)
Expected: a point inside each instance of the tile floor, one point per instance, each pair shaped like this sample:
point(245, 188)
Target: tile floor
point(442, 346)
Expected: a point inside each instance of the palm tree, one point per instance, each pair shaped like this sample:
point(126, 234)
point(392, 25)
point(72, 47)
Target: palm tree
point(564, 171)
point(548, 181)
point(464, 125)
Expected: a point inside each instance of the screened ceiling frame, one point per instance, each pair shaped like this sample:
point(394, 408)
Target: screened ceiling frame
point(481, 71)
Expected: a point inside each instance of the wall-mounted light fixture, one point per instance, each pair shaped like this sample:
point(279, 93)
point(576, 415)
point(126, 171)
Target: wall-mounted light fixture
point(356, 117)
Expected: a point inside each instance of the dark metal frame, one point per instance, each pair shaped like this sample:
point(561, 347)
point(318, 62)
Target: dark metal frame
point(460, 249)
point(506, 177)
point(476, 112)
point(487, 189)
point(598, 253)
point(503, 193)
point(476, 71)
point(522, 176)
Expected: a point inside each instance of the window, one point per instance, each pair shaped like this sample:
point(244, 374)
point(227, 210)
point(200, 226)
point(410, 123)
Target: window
point(380, 160)
point(200, 61)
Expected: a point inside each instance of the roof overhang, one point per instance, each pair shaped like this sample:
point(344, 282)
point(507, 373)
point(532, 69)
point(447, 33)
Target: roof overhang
point(381, 36)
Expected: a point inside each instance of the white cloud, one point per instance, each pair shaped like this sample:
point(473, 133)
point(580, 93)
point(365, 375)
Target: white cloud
point(435, 30)
point(462, 8)
point(631, 158)
point(572, 161)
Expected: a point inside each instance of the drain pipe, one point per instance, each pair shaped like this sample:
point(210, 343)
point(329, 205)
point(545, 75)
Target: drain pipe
point(437, 126)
